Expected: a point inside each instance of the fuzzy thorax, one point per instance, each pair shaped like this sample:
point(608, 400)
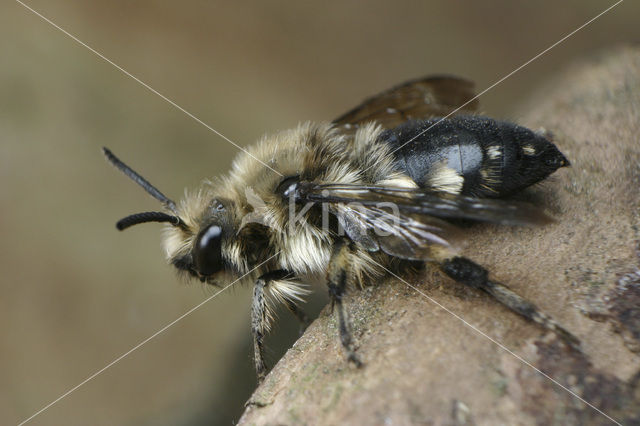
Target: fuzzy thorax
point(254, 209)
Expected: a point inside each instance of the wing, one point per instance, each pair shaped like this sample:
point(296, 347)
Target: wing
point(428, 97)
point(408, 223)
point(407, 236)
point(427, 202)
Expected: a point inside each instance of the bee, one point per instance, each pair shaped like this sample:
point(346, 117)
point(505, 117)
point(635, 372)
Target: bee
point(372, 191)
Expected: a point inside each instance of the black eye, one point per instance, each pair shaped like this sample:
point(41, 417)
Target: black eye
point(288, 186)
point(207, 252)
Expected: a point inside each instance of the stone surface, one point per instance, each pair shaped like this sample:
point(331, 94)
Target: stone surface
point(432, 356)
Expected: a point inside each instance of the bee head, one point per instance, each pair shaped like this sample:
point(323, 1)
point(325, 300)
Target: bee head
point(205, 258)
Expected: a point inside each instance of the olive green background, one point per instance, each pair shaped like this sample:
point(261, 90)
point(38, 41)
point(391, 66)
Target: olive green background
point(75, 293)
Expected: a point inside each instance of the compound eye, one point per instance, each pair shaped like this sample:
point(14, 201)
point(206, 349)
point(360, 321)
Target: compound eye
point(207, 253)
point(288, 186)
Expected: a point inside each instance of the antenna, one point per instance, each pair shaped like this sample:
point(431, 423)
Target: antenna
point(151, 190)
point(145, 217)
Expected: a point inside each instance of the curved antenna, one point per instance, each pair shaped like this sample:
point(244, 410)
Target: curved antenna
point(151, 190)
point(145, 217)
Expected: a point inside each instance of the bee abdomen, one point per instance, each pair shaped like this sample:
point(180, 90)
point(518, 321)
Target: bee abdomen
point(472, 155)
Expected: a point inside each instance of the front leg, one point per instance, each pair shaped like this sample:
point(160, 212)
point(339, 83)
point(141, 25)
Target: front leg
point(338, 277)
point(261, 315)
point(259, 325)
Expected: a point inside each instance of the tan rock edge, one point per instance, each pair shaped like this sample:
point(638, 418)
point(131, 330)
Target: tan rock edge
point(425, 366)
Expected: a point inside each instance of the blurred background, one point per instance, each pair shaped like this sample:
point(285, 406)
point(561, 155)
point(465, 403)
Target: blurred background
point(75, 293)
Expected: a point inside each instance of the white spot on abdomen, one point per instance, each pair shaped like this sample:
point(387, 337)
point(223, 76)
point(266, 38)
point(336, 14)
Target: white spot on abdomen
point(494, 152)
point(445, 179)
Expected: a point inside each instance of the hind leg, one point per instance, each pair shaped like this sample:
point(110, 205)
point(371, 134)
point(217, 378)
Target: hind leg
point(467, 272)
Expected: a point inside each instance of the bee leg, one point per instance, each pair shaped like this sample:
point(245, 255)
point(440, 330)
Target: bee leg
point(260, 319)
point(259, 326)
point(338, 275)
point(470, 273)
point(300, 315)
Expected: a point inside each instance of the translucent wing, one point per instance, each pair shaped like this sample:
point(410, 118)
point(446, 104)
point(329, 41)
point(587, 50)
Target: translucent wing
point(406, 236)
point(408, 223)
point(428, 97)
point(427, 202)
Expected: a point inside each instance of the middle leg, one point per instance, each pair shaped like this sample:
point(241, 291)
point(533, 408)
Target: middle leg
point(338, 278)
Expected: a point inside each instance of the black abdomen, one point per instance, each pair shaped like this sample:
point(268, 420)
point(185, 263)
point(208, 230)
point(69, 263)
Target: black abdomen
point(472, 155)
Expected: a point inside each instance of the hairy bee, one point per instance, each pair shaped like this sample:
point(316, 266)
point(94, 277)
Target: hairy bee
point(374, 189)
